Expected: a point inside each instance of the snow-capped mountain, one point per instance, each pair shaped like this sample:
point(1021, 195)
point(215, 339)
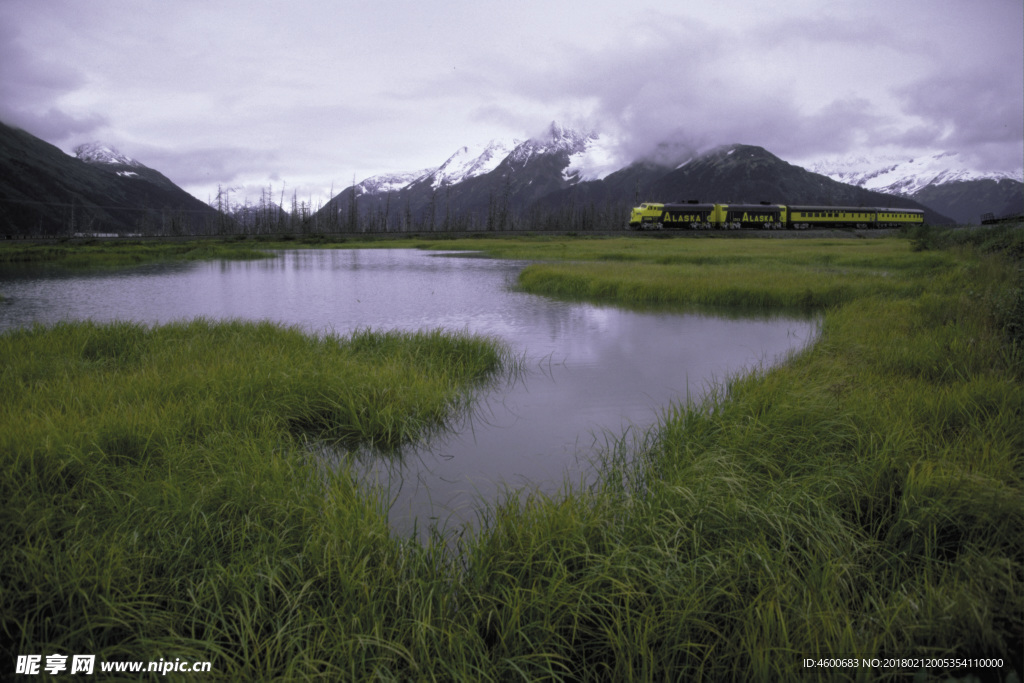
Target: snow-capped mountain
point(46, 191)
point(506, 173)
point(555, 140)
point(565, 174)
point(99, 153)
point(595, 161)
point(589, 158)
point(469, 162)
point(106, 158)
point(390, 182)
point(944, 182)
point(905, 176)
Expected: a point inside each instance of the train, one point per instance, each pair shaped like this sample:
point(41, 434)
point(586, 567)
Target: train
point(695, 215)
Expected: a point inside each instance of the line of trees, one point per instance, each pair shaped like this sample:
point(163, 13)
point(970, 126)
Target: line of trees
point(384, 214)
point(347, 214)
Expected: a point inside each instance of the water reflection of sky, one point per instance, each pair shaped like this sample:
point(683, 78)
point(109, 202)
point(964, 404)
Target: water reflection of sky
point(590, 368)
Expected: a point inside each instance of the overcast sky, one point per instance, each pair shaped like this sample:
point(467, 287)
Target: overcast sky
point(314, 93)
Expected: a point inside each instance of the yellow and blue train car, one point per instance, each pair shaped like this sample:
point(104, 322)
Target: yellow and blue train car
point(894, 218)
point(803, 217)
point(765, 216)
point(647, 216)
point(691, 216)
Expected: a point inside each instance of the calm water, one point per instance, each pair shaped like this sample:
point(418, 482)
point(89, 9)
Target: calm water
point(591, 369)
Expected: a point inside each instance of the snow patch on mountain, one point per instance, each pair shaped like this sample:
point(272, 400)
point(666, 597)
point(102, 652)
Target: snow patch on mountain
point(556, 140)
point(590, 157)
point(597, 160)
point(99, 153)
point(471, 161)
point(904, 175)
point(467, 162)
point(391, 182)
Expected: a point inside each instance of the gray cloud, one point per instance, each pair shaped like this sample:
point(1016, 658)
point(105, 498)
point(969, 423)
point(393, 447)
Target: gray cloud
point(802, 87)
point(979, 111)
point(54, 124)
point(236, 92)
point(202, 165)
point(30, 88)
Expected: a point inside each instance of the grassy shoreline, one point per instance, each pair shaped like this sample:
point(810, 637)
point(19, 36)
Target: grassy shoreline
point(96, 254)
point(863, 499)
point(163, 496)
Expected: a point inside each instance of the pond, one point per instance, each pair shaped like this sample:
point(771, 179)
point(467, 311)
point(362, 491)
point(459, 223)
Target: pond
point(591, 371)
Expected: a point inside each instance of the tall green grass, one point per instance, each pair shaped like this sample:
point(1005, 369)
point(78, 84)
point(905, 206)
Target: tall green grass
point(809, 275)
point(162, 495)
point(864, 500)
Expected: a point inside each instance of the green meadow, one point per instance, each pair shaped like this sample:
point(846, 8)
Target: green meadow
point(113, 254)
point(163, 496)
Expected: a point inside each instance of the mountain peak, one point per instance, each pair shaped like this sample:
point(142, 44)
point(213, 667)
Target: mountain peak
point(561, 137)
point(556, 139)
point(470, 161)
point(903, 175)
point(99, 153)
point(466, 162)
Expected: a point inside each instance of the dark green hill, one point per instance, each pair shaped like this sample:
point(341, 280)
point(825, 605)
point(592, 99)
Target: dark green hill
point(966, 200)
point(45, 192)
point(738, 174)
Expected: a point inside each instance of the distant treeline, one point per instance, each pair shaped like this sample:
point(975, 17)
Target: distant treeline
point(268, 218)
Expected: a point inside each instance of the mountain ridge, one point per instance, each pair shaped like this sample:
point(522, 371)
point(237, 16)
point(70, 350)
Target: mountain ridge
point(45, 192)
point(549, 175)
point(941, 181)
point(561, 179)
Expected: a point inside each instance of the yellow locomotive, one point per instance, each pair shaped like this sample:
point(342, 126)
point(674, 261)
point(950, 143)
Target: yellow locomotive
point(703, 216)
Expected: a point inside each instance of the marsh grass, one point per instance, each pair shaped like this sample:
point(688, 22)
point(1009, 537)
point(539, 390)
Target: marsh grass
point(161, 499)
point(767, 275)
point(862, 500)
point(118, 254)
